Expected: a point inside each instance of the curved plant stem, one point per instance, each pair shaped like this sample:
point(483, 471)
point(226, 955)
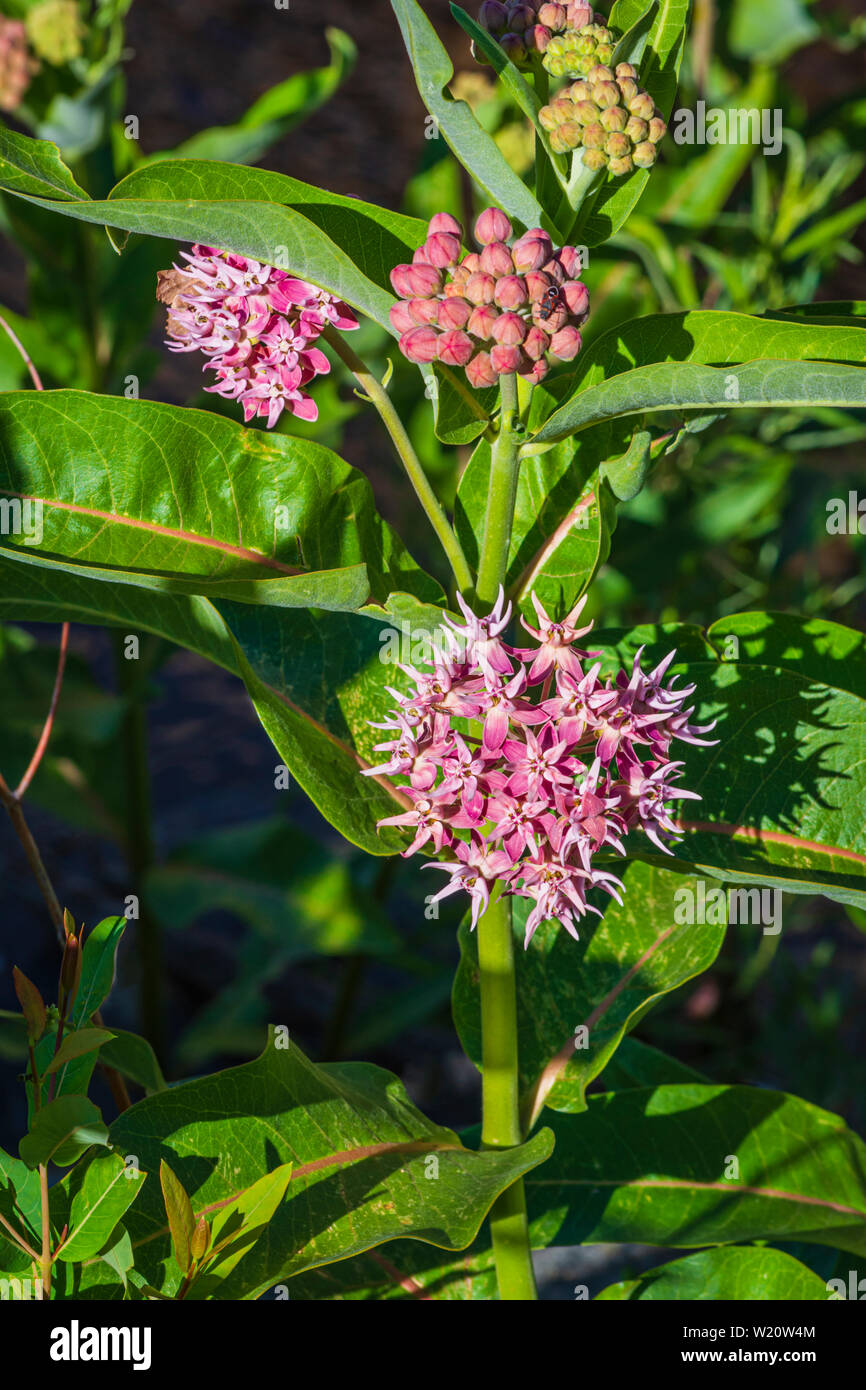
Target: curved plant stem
point(49, 719)
point(504, 471)
point(501, 1118)
point(379, 397)
point(24, 354)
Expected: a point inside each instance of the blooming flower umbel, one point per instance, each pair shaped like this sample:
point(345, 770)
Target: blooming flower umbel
point(565, 766)
point(256, 324)
point(512, 307)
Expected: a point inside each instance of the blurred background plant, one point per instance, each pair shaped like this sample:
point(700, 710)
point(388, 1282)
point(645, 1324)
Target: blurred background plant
point(260, 911)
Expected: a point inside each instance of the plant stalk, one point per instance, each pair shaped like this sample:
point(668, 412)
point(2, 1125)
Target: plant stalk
point(433, 508)
point(504, 472)
point(500, 1128)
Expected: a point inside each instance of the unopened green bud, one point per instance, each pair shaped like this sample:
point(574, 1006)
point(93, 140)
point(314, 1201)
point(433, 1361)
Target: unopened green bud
point(547, 118)
point(628, 89)
point(636, 129)
point(645, 155)
point(621, 166)
point(625, 70)
point(594, 137)
point(642, 106)
point(594, 159)
point(617, 145)
point(600, 73)
point(200, 1239)
point(657, 129)
point(56, 31)
point(615, 118)
point(586, 112)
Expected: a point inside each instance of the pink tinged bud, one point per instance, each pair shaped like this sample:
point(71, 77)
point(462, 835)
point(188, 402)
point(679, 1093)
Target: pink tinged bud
point(531, 252)
point(555, 270)
point(400, 281)
point(538, 38)
point(482, 320)
point(444, 222)
point(569, 259)
point(493, 17)
point(537, 284)
point(536, 343)
point(496, 259)
point(536, 372)
point(480, 288)
point(554, 16)
point(470, 263)
point(453, 312)
point(425, 281)
point(420, 345)
point(424, 311)
point(576, 296)
point(480, 371)
point(492, 226)
point(455, 348)
point(506, 359)
point(401, 319)
point(578, 15)
point(419, 257)
point(550, 319)
point(509, 330)
point(510, 292)
point(566, 343)
point(442, 249)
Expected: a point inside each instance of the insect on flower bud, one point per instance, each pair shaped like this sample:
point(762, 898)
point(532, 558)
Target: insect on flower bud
point(420, 345)
point(537, 282)
point(455, 348)
point(480, 371)
point(492, 226)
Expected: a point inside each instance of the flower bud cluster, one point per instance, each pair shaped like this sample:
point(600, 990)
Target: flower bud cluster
point(512, 307)
point(609, 117)
point(567, 763)
point(17, 64)
point(525, 27)
point(256, 324)
point(56, 30)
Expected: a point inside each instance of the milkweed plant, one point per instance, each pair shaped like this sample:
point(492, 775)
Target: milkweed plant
point(583, 792)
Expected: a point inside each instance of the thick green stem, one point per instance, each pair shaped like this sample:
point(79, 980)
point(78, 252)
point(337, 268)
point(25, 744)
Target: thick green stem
point(500, 1096)
point(406, 453)
point(504, 471)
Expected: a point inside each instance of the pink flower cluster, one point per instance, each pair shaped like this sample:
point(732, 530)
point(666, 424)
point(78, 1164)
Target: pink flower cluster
point(566, 765)
point(256, 324)
point(505, 309)
point(524, 27)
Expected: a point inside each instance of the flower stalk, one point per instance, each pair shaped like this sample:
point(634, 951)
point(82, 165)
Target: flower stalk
point(504, 472)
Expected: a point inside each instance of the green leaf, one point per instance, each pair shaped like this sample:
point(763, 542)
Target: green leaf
point(727, 1274)
point(237, 1227)
point(770, 32)
point(181, 1219)
point(364, 1163)
point(675, 386)
point(781, 789)
point(61, 1131)
point(652, 1166)
point(98, 964)
point(21, 1205)
point(272, 520)
point(578, 999)
point(627, 475)
point(274, 218)
point(277, 112)
point(635, 1063)
point(316, 678)
point(134, 1058)
point(473, 147)
point(813, 647)
point(713, 337)
point(91, 1200)
point(34, 167)
point(76, 1045)
point(461, 413)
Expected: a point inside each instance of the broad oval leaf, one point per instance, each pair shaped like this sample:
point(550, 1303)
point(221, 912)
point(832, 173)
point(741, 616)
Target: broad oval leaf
point(732, 1273)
